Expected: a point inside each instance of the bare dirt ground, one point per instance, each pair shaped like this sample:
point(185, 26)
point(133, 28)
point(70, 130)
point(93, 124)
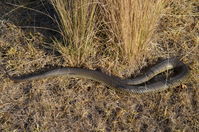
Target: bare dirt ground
point(65, 104)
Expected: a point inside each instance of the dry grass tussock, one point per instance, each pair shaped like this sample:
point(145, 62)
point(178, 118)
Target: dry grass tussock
point(77, 24)
point(71, 104)
point(131, 23)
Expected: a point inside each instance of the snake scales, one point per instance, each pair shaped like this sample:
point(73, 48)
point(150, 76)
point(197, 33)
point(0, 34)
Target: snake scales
point(136, 85)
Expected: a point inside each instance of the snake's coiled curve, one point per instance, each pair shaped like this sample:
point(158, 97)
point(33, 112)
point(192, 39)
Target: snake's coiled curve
point(136, 85)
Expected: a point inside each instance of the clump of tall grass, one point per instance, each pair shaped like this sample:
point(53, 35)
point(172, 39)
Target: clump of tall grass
point(77, 20)
point(131, 23)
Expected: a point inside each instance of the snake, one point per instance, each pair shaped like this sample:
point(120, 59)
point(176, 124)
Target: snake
point(139, 84)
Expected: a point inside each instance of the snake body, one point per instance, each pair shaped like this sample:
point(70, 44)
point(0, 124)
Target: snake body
point(135, 85)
